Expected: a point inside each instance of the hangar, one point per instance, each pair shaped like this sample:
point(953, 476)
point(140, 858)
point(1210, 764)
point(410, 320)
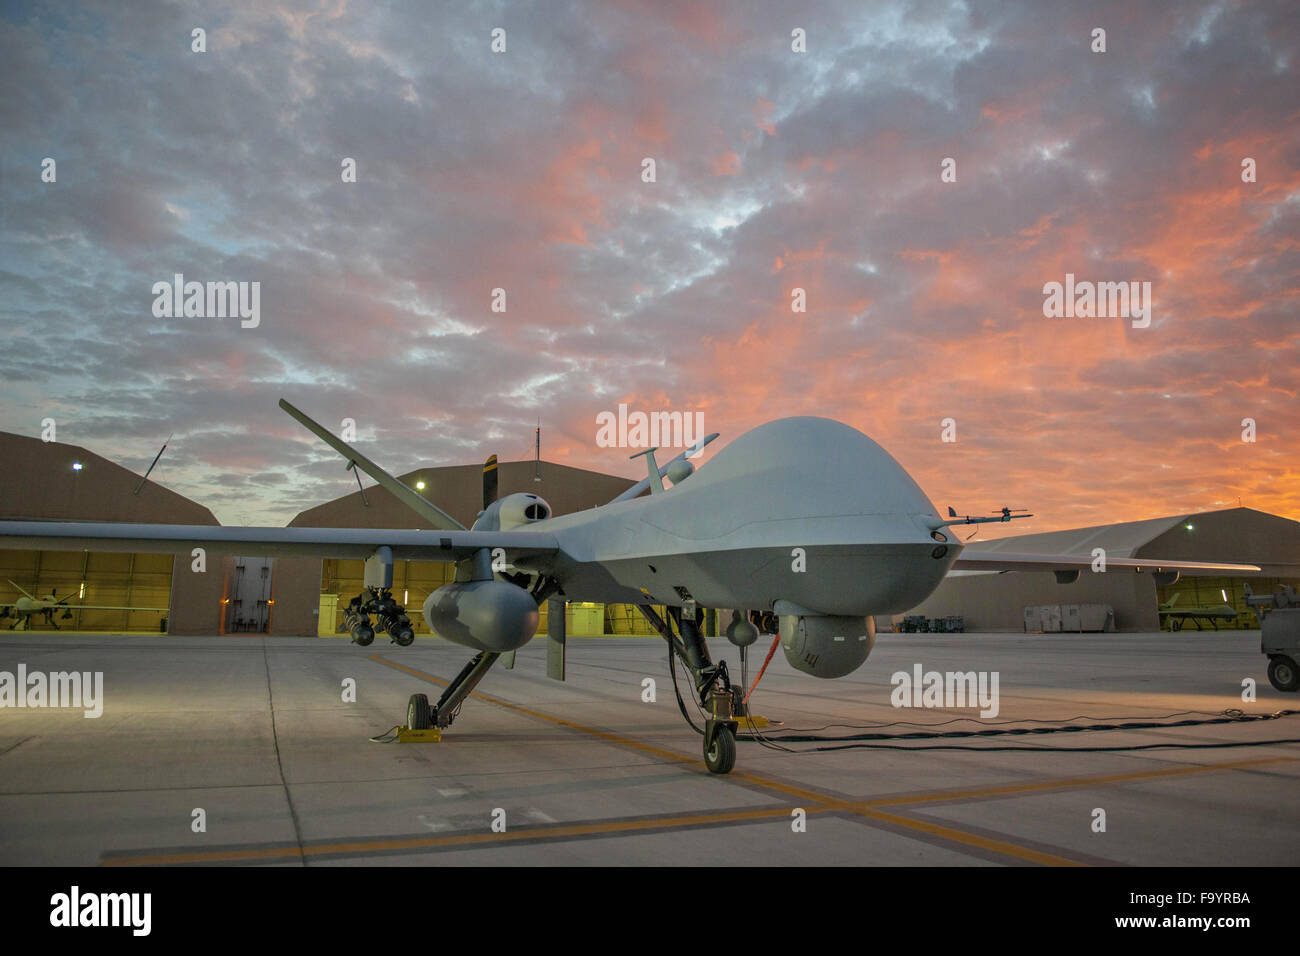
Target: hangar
point(241, 593)
point(996, 602)
point(55, 481)
point(301, 596)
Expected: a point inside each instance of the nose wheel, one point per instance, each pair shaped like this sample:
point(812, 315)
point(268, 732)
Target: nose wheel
point(418, 714)
point(720, 752)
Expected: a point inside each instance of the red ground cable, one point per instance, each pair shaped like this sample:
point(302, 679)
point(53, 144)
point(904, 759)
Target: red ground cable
point(775, 641)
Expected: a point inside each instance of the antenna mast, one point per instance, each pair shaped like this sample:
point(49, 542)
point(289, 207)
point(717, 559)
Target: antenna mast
point(537, 461)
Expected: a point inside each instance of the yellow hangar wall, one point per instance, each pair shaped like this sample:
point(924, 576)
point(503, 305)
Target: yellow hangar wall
point(413, 581)
point(39, 482)
point(306, 587)
point(139, 581)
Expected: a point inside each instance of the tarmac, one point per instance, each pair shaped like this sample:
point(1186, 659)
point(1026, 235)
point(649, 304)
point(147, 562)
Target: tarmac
point(242, 750)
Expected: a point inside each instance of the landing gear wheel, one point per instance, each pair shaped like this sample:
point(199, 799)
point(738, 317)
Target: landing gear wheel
point(418, 714)
point(720, 756)
point(1283, 674)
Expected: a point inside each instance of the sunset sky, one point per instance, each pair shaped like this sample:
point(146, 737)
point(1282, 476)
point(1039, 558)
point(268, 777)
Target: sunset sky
point(775, 170)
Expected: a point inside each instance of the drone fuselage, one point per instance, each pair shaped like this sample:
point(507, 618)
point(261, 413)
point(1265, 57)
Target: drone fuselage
point(802, 510)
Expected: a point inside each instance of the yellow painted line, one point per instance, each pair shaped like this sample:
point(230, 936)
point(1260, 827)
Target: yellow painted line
point(970, 839)
point(817, 801)
point(265, 854)
point(1069, 782)
point(867, 808)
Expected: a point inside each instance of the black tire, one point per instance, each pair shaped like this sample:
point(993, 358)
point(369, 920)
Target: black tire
point(721, 756)
point(1283, 674)
point(418, 714)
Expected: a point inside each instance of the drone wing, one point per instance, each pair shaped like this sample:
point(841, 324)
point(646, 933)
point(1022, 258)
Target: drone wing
point(102, 607)
point(25, 593)
point(359, 543)
point(1004, 561)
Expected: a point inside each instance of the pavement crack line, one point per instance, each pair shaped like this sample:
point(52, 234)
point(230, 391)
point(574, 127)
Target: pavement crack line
point(14, 746)
point(279, 763)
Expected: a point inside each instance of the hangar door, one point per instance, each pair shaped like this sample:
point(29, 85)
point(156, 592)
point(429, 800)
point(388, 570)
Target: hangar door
point(1181, 603)
point(138, 584)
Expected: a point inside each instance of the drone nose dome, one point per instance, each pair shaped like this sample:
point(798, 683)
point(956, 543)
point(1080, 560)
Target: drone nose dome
point(795, 469)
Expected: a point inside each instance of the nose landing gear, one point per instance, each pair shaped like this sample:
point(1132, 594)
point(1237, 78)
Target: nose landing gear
point(720, 754)
point(712, 683)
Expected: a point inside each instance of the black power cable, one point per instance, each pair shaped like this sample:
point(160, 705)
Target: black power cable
point(1231, 716)
point(1225, 717)
point(1164, 746)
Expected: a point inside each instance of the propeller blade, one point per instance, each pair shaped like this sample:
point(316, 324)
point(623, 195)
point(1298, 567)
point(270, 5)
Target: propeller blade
point(489, 481)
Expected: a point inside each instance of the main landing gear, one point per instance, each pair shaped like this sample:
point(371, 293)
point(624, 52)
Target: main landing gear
point(720, 700)
point(420, 716)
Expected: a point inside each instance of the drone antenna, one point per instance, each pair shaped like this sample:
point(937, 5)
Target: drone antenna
point(537, 459)
point(154, 462)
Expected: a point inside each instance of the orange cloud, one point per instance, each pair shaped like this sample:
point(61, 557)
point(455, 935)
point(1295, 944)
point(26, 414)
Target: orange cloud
point(728, 164)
